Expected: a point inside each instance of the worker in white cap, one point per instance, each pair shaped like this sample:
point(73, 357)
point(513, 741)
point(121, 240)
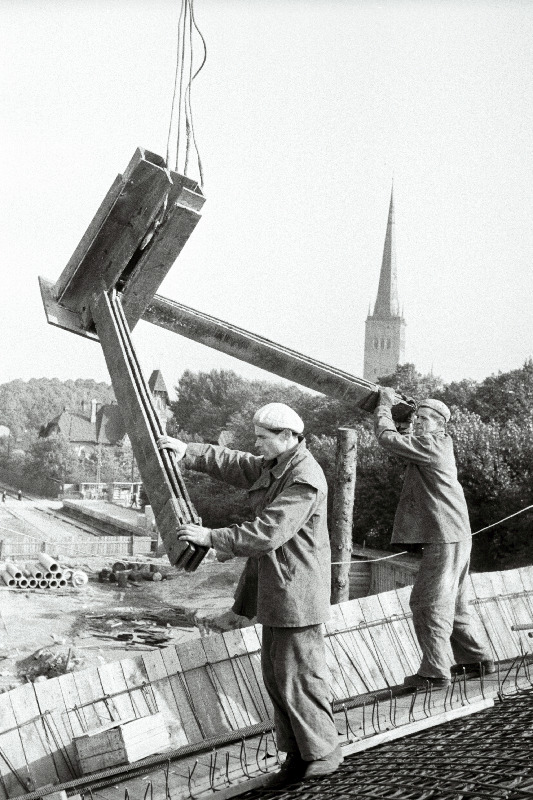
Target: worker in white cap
point(288, 549)
point(432, 512)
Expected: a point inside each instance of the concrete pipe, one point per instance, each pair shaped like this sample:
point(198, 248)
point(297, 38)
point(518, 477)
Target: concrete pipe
point(50, 563)
point(62, 582)
point(58, 575)
point(48, 575)
point(35, 570)
point(79, 577)
point(44, 583)
point(33, 583)
point(8, 579)
point(22, 583)
point(67, 573)
point(53, 583)
point(14, 570)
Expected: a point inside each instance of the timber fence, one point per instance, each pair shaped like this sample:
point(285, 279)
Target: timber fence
point(106, 546)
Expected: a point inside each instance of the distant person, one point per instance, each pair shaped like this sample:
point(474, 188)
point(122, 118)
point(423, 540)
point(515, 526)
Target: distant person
point(432, 511)
point(19, 494)
point(3, 497)
point(288, 541)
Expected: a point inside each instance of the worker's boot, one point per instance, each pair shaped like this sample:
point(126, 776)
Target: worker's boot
point(292, 770)
point(474, 669)
point(325, 765)
point(417, 681)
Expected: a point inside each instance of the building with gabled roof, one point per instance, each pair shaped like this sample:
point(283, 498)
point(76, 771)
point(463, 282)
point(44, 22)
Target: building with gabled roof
point(385, 327)
point(94, 425)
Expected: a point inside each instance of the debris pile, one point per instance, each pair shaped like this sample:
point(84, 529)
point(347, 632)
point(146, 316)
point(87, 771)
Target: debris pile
point(45, 573)
point(49, 662)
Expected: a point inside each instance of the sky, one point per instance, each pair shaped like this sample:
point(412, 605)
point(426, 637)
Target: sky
point(305, 112)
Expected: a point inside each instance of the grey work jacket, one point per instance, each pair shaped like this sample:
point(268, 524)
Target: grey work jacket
point(288, 539)
point(432, 506)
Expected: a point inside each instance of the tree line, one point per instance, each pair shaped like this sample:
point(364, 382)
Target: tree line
point(492, 428)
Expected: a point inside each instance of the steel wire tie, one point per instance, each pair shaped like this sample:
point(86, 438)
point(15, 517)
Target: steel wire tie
point(189, 780)
point(149, 788)
point(245, 767)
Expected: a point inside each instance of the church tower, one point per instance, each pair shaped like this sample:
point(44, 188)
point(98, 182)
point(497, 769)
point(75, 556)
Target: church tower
point(385, 328)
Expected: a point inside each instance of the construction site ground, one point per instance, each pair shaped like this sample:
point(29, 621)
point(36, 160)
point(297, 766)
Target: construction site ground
point(81, 626)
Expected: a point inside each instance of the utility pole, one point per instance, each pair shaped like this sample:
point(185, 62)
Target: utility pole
point(342, 519)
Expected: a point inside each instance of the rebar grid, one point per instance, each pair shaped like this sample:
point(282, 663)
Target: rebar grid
point(484, 757)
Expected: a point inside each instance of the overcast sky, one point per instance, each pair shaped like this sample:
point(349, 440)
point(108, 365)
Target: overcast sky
point(304, 113)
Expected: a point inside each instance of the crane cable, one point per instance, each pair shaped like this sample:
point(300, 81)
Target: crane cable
point(181, 117)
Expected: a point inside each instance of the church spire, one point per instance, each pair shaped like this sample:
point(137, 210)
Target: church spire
point(387, 300)
point(385, 328)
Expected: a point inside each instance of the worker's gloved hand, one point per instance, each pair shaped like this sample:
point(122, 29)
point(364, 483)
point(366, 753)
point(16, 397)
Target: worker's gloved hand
point(169, 443)
point(405, 426)
point(387, 396)
point(195, 534)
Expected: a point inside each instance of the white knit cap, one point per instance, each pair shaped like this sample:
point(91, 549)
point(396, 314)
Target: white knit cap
point(278, 416)
point(438, 406)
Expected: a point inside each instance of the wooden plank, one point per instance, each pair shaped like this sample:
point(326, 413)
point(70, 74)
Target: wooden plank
point(202, 687)
point(52, 707)
point(90, 692)
point(491, 617)
point(11, 747)
point(233, 695)
point(337, 659)
point(157, 675)
point(365, 667)
point(191, 723)
point(526, 576)
point(32, 736)
point(243, 645)
point(520, 611)
point(135, 677)
point(74, 720)
point(400, 631)
point(388, 654)
point(526, 579)
point(112, 680)
point(506, 607)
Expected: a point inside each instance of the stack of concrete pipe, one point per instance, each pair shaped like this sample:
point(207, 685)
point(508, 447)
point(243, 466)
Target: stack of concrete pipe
point(45, 573)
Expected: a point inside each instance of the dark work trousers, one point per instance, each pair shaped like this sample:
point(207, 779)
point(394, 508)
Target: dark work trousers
point(298, 682)
point(441, 614)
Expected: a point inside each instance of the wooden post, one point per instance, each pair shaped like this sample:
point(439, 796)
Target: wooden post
point(342, 520)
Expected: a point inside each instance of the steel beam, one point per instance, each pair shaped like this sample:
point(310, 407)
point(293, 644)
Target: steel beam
point(268, 355)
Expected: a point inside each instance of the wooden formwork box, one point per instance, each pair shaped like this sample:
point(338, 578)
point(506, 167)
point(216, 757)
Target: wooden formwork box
point(121, 743)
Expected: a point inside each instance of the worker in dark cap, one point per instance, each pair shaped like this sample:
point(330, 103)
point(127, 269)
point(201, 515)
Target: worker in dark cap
point(288, 542)
point(432, 512)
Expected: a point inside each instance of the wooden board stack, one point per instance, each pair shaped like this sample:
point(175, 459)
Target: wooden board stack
point(121, 743)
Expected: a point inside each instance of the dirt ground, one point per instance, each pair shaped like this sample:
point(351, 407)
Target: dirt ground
point(77, 628)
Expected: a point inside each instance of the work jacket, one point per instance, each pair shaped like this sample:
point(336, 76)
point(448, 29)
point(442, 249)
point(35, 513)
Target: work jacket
point(432, 506)
point(287, 541)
